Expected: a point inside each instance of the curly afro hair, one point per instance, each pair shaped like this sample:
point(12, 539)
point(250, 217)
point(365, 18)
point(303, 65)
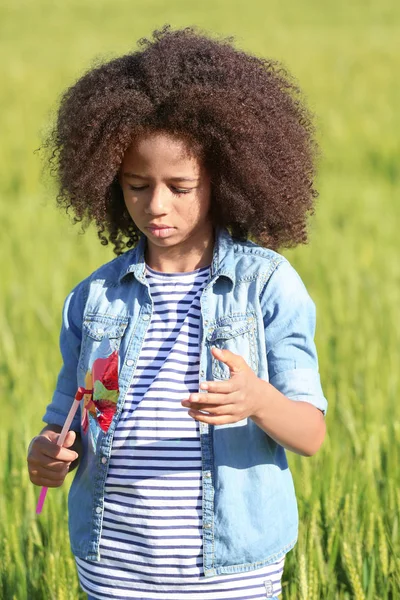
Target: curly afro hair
point(242, 115)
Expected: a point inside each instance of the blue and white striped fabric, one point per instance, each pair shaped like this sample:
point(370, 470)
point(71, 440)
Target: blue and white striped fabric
point(151, 543)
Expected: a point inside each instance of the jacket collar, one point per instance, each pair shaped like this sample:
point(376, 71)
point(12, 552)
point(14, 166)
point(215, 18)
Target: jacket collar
point(222, 264)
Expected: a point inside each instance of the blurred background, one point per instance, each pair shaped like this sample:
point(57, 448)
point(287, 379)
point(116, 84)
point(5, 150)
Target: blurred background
point(346, 57)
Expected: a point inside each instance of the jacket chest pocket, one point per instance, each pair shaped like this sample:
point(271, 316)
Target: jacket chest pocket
point(237, 334)
point(101, 336)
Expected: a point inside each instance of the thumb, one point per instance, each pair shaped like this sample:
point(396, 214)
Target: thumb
point(70, 439)
point(234, 361)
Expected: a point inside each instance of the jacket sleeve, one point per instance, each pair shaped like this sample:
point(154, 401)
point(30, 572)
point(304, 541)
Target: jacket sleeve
point(289, 316)
point(70, 344)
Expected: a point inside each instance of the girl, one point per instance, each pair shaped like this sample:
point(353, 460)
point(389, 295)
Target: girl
point(181, 152)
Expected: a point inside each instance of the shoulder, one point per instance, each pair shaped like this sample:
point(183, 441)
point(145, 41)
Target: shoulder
point(112, 271)
point(108, 275)
point(252, 261)
point(279, 281)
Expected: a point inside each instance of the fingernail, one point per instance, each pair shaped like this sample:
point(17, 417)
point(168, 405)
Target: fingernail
point(204, 386)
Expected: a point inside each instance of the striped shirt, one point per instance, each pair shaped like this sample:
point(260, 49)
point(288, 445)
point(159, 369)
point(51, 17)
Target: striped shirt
point(151, 541)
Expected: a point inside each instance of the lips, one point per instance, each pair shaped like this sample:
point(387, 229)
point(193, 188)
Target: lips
point(160, 231)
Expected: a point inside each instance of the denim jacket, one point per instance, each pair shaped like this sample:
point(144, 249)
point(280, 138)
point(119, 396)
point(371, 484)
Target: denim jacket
point(254, 304)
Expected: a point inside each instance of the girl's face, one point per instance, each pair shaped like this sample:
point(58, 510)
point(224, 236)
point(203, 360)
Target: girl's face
point(167, 193)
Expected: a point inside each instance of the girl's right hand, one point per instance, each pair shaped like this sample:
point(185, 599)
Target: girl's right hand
point(48, 464)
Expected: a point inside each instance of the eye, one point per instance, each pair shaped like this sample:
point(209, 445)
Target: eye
point(175, 191)
point(132, 187)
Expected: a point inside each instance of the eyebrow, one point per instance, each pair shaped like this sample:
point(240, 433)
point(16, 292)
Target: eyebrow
point(171, 178)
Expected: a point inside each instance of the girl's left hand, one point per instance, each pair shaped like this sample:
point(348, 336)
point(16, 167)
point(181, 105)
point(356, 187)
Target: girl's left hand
point(231, 400)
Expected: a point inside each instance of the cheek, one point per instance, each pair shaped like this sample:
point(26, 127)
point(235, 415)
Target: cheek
point(132, 208)
point(130, 201)
point(204, 204)
point(197, 214)
point(193, 213)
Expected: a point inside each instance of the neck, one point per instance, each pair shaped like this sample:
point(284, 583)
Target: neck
point(187, 257)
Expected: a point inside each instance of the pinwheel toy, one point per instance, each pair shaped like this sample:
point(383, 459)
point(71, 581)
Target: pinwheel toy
point(100, 396)
point(102, 404)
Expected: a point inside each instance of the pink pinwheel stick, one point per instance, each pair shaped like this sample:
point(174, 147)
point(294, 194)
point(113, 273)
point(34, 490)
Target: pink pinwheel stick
point(78, 397)
point(60, 441)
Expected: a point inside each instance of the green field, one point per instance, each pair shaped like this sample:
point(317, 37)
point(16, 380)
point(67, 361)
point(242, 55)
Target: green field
point(346, 57)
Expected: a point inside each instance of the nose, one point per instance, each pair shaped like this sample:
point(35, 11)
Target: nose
point(157, 203)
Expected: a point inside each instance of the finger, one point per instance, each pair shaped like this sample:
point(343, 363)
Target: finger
point(224, 409)
point(213, 420)
point(234, 361)
point(208, 403)
point(51, 475)
point(51, 450)
point(47, 463)
point(42, 481)
point(69, 439)
point(210, 398)
point(221, 387)
point(40, 473)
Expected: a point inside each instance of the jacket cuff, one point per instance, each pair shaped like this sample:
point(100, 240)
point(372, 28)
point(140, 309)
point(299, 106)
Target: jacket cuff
point(301, 384)
point(57, 411)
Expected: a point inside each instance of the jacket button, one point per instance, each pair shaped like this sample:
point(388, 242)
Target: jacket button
point(207, 526)
point(104, 460)
point(129, 362)
point(207, 474)
point(98, 509)
point(146, 317)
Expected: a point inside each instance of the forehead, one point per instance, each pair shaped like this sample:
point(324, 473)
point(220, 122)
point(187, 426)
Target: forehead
point(156, 149)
